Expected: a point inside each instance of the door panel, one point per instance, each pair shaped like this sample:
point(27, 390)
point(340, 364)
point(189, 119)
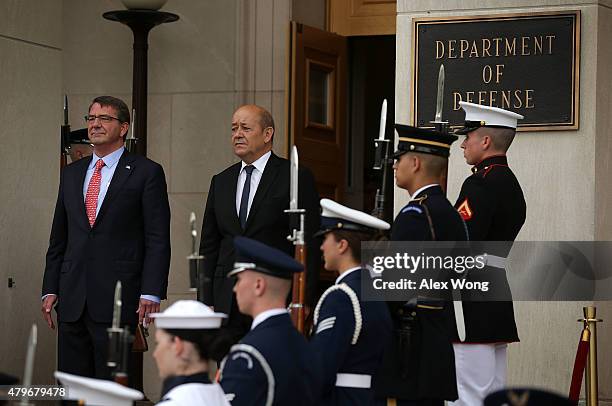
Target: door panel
point(361, 17)
point(317, 107)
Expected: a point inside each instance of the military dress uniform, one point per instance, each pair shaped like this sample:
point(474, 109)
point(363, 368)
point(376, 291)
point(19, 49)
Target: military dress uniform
point(492, 204)
point(185, 319)
point(423, 373)
point(272, 364)
point(349, 335)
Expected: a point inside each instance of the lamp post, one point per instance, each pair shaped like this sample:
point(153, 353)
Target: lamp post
point(140, 21)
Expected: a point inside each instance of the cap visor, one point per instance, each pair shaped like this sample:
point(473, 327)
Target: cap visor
point(235, 272)
point(465, 130)
point(397, 154)
point(322, 232)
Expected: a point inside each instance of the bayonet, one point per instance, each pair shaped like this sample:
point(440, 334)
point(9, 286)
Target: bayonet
point(117, 306)
point(196, 261)
point(130, 139)
point(65, 109)
point(194, 233)
point(440, 95)
point(438, 122)
point(64, 136)
point(293, 192)
point(29, 364)
point(381, 162)
point(115, 331)
point(383, 121)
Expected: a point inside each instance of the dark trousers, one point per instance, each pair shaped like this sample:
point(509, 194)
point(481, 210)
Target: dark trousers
point(83, 347)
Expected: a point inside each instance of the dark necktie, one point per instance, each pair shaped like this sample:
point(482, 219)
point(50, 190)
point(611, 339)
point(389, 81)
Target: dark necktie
point(244, 201)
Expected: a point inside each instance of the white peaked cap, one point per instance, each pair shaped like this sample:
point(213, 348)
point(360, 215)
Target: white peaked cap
point(98, 392)
point(333, 210)
point(490, 116)
point(188, 314)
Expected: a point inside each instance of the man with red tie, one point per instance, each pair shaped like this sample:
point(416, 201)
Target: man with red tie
point(111, 222)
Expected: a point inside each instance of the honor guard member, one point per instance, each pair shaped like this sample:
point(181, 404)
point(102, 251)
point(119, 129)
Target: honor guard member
point(349, 334)
point(272, 364)
point(419, 367)
point(80, 146)
point(98, 392)
point(186, 337)
point(492, 205)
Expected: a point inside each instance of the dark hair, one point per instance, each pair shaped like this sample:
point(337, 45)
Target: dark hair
point(123, 113)
point(354, 239)
point(501, 138)
point(210, 344)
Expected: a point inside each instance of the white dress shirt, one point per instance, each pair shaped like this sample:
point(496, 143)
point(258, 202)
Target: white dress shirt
point(259, 165)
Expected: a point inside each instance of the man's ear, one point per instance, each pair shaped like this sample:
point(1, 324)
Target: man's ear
point(268, 134)
point(486, 142)
point(416, 163)
point(124, 129)
point(259, 286)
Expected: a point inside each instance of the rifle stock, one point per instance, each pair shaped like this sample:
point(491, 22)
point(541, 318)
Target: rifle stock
point(298, 293)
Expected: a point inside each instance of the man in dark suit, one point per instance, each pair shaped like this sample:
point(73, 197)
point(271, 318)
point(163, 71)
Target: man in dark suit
point(272, 364)
point(423, 371)
point(492, 204)
point(111, 222)
point(249, 199)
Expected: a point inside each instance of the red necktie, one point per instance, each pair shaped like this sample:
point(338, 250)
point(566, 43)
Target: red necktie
point(93, 190)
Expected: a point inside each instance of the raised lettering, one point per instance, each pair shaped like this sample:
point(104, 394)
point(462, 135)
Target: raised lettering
point(525, 46)
point(439, 49)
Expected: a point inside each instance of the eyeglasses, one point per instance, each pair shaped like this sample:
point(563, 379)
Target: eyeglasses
point(90, 119)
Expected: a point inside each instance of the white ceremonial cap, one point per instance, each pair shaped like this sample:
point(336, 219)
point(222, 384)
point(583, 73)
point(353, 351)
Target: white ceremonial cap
point(98, 392)
point(478, 115)
point(338, 217)
point(188, 314)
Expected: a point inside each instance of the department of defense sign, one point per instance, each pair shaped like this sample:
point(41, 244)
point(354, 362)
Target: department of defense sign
point(527, 63)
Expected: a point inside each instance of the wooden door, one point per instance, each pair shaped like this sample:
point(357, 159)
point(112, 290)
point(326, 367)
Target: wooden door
point(317, 100)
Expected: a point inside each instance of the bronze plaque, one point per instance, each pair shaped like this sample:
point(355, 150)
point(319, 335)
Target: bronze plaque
point(526, 63)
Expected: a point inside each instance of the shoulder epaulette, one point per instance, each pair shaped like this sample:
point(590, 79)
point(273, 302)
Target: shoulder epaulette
point(342, 287)
point(415, 205)
point(485, 171)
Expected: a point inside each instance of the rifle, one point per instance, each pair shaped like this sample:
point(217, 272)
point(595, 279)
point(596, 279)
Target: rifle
point(382, 161)
point(443, 127)
point(298, 290)
point(64, 137)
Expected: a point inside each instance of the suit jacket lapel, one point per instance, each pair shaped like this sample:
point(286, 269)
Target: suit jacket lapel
point(122, 173)
point(267, 179)
point(229, 196)
point(79, 180)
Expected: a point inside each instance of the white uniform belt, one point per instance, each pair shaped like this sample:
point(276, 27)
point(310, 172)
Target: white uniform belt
point(495, 261)
point(354, 381)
